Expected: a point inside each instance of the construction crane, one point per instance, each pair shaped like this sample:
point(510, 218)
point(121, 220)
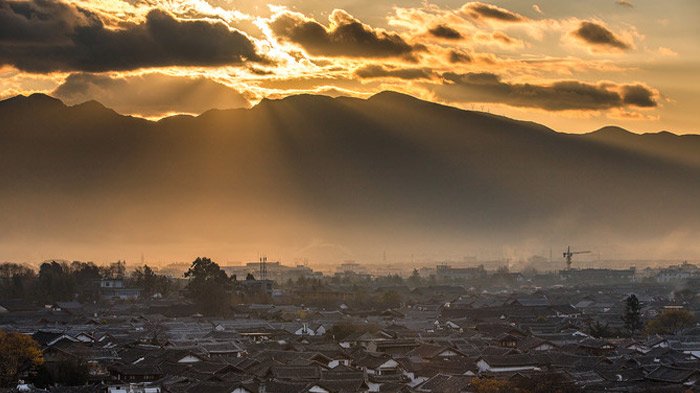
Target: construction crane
point(568, 255)
point(263, 268)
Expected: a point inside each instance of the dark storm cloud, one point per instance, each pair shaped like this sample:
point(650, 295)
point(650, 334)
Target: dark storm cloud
point(45, 35)
point(488, 11)
point(565, 95)
point(151, 94)
point(444, 31)
point(457, 56)
point(595, 34)
point(345, 37)
point(378, 71)
point(638, 95)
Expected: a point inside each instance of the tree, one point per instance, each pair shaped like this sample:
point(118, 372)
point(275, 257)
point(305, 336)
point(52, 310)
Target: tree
point(87, 276)
point(415, 279)
point(390, 299)
point(15, 280)
point(671, 322)
point(343, 329)
point(490, 385)
point(546, 382)
point(18, 353)
point(115, 271)
point(600, 330)
point(150, 282)
point(66, 372)
point(389, 280)
point(633, 315)
point(209, 286)
point(55, 282)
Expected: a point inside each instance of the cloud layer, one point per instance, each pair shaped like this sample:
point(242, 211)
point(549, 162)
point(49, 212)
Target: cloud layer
point(126, 54)
point(557, 96)
point(446, 32)
point(488, 11)
point(345, 36)
point(598, 35)
point(377, 71)
point(44, 36)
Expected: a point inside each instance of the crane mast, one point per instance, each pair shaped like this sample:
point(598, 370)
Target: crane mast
point(568, 256)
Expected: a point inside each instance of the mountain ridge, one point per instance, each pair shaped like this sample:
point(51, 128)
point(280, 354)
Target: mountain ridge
point(390, 94)
point(391, 172)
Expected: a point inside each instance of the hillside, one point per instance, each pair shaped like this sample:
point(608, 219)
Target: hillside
point(355, 176)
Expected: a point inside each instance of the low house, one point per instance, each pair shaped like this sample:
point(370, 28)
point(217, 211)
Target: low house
point(115, 289)
point(143, 387)
point(674, 375)
point(596, 347)
point(509, 363)
point(134, 374)
point(47, 338)
point(72, 308)
point(393, 346)
point(430, 351)
point(309, 329)
point(220, 349)
point(96, 359)
point(379, 365)
point(15, 306)
point(442, 383)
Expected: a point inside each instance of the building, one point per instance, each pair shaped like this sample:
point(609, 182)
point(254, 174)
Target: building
point(115, 289)
point(257, 286)
point(597, 276)
point(446, 272)
point(678, 273)
point(273, 270)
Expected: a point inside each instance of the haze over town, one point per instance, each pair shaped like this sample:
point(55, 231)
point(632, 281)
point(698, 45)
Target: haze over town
point(306, 196)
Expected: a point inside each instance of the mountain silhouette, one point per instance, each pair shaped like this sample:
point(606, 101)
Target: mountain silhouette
point(391, 171)
point(664, 144)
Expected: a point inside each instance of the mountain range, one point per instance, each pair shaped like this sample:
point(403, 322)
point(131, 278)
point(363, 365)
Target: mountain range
point(334, 178)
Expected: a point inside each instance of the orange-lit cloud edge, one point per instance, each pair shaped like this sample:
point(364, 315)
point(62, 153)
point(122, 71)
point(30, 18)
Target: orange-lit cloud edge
point(568, 73)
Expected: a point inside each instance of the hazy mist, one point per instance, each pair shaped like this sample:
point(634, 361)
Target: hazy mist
point(333, 179)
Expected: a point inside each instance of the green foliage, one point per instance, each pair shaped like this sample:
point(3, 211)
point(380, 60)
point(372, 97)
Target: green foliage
point(16, 281)
point(209, 286)
point(55, 282)
point(671, 322)
point(632, 316)
point(60, 281)
point(600, 330)
point(150, 282)
point(415, 280)
point(390, 299)
point(343, 329)
point(390, 280)
point(87, 276)
point(309, 284)
point(115, 271)
point(67, 373)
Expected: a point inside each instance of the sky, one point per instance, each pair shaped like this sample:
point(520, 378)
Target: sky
point(572, 65)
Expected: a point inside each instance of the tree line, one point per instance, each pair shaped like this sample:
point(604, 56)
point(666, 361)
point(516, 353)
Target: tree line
point(668, 322)
point(63, 281)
